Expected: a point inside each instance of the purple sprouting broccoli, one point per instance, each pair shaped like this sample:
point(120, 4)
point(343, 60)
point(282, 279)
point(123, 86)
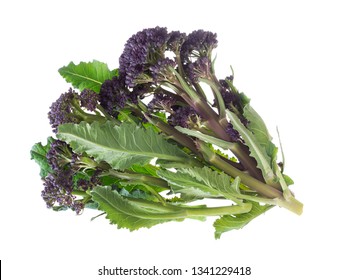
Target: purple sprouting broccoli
point(69, 179)
point(141, 51)
point(233, 133)
point(163, 101)
point(200, 68)
point(89, 99)
point(113, 95)
point(163, 109)
point(184, 116)
point(63, 110)
point(161, 71)
point(68, 108)
point(199, 43)
point(60, 155)
point(58, 191)
point(175, 41)
point(231, 98)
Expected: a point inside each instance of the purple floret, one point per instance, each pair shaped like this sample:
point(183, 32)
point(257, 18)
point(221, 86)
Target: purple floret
point(231, 98)
point(183, 116)
point(162, 101)
point(161, 70)
point(113, 95)
point(175, 41)
point(58, 191)
point(61, 182)
point(198, 43)
point(59, 155)
point(89, 99)
point(88, 184)
point(201, 68)
point(51, 192)
point(142, 49)
point(233, 133)
point(61, 111)
point(138, 92)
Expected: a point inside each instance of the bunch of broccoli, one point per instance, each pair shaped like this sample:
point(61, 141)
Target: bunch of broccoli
point(145, 142)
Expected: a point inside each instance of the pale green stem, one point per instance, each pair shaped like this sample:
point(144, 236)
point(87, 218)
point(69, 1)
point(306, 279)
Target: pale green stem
point(263, 189)
point(180, 212)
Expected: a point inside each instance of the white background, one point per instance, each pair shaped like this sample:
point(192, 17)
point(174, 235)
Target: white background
point(288, 56)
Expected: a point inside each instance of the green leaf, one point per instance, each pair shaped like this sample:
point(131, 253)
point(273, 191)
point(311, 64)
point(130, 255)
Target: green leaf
point(140, 185)
point(259, 130)
point(243, 97)
point(201, 183)
point(131, 214)
point(125, 115)
point(257, 150)
point(218, 181)
point(87, 75)
point(146, 169)
point(91, 205)
point(120, 146)
point(187, 184)
point(289, 181)
point(38, 153)
point(161, 116)
point(257, 125)
point(262, 136)
point(206, 138)
point(225, 185)
point(238, 221)
point(137, 193)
